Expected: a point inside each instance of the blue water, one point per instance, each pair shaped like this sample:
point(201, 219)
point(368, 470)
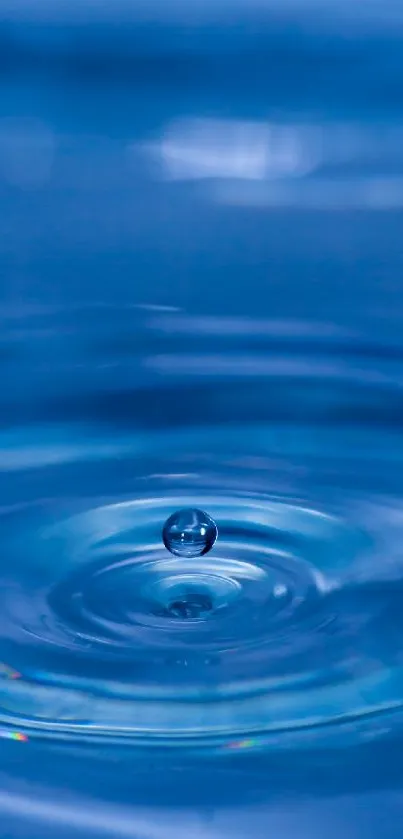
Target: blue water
point(201, 307)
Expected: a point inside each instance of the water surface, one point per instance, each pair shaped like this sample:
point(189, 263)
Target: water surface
point(201, 307)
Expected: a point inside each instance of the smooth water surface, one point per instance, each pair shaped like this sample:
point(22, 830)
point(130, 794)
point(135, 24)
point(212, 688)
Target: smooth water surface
point(201, 306)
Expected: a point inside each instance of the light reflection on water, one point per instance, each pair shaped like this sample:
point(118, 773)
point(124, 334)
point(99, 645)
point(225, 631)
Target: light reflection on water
point(201, 306)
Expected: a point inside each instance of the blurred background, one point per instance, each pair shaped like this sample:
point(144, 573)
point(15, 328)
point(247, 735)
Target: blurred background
point(200, 156)
point(218, 158)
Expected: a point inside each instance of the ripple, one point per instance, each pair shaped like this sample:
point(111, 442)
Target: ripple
point(288, 633)
point(282, 634)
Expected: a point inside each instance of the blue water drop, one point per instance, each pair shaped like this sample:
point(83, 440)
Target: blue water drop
point(189, 533)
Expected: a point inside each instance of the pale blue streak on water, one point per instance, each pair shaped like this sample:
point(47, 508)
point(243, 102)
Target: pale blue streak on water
point(201, 307)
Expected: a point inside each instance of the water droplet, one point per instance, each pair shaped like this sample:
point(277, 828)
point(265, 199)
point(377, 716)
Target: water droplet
point(189, 533)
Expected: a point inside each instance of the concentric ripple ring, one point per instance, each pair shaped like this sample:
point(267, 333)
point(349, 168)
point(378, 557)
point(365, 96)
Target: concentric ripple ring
point(271, 647)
